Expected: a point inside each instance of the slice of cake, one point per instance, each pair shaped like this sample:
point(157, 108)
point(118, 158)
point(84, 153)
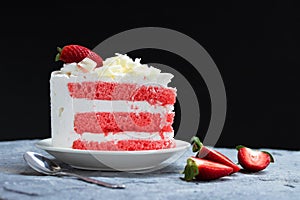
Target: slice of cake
point(115, 104)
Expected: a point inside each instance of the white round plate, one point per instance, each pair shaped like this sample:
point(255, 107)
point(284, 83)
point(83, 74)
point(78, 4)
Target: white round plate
point(115, 160)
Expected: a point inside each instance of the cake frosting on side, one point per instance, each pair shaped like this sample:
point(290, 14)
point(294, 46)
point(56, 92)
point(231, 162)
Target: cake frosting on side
point(122, 105)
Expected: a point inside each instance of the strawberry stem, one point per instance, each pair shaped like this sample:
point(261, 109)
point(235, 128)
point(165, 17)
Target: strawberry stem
point(190, 170)
point(239, 147)
point(58, 54)
point(197, 144)
point(59, 49)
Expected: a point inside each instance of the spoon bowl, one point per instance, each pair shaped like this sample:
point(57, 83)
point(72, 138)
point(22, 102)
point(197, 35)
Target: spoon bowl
point(47, 166)
point(41, 164)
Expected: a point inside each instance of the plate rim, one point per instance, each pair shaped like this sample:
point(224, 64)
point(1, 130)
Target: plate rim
point(40, 144)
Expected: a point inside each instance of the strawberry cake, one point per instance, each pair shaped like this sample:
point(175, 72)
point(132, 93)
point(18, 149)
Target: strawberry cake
point(116, 104)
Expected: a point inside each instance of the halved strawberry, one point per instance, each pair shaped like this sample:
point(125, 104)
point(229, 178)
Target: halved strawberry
point(253, 160)
point(76, 53)
point(201, 169)
point(211, 154)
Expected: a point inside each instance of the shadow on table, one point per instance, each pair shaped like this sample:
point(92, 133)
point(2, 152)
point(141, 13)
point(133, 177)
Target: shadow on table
point(168, 169)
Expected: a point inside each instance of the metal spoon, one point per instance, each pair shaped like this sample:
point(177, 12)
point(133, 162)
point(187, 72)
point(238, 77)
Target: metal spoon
point(46, 166)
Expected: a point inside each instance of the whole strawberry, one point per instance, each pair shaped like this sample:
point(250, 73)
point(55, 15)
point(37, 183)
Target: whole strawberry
point(76, 53)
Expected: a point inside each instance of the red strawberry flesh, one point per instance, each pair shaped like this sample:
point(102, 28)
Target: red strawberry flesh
point(253, 160)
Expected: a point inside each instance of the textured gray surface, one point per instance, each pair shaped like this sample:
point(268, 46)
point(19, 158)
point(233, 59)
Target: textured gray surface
point(281, 180)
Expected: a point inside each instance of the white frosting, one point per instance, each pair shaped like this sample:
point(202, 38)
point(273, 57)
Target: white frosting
point(125, 136)
point(63, 108)
point(85, 105)
point(85, 66)
point(120, 68)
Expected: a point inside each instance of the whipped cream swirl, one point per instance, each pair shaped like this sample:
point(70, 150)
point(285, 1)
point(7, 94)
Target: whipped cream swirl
point(118, 67)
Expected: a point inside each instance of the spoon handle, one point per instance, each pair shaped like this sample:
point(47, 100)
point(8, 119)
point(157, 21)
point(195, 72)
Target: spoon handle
point(90, 180)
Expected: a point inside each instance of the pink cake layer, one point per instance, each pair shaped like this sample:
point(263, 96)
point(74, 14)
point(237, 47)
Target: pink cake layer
point(123, 91)
point(123, 145)
point(115, 122)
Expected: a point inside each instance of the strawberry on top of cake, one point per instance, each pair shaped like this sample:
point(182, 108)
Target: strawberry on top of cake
point(112, 104)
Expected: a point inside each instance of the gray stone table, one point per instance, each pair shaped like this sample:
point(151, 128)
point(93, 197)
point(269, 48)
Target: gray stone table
point(281, 180)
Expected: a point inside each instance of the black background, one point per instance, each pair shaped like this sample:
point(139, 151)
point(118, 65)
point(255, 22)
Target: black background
point(255, 46)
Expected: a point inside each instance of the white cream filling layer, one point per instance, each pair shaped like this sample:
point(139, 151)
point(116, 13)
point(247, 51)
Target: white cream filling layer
point(125, 136)
point(85, 105)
